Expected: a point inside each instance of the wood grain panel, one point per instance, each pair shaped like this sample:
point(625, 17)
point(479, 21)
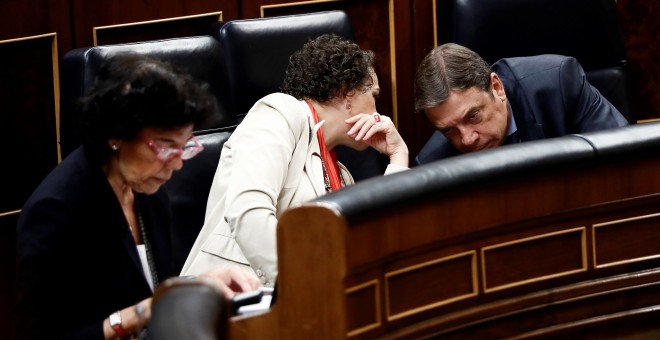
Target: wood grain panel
point(363, 307)
point(29, 114)
point(640, 24)
point(629, 240)
point(23, 18)
point(423, 31)
point(186, 26)
point(569, 316)
point(446, 280)
point(89, 14)
point(533, 259)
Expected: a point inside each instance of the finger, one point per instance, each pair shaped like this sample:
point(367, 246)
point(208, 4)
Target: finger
point(368, 129)
point(226, 291)
point(368, 123)
point(357, 123)
point(371, 132)
point(243, 280)
point(379, 124)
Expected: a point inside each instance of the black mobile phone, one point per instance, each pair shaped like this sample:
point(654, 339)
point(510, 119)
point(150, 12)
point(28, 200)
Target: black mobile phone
point(244, 299)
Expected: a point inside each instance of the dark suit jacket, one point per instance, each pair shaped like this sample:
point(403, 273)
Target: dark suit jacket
point(549, 96)
point(77, 261)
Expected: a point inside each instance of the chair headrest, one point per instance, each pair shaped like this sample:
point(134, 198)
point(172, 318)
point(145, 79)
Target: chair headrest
point(257, 51)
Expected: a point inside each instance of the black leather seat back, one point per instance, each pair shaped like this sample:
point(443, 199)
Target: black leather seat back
point(257, 51)
point(198, 56)
point(587, 30)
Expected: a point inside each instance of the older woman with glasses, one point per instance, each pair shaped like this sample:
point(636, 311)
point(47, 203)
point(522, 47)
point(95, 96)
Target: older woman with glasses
point(94, 237)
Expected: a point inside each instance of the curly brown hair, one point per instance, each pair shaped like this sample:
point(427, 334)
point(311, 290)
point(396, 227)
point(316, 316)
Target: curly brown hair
point(327, 67)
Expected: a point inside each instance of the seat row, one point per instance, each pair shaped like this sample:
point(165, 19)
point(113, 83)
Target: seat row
point(242, 61)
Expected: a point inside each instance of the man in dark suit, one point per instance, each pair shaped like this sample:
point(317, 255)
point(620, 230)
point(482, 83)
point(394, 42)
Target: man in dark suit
point(475, 107)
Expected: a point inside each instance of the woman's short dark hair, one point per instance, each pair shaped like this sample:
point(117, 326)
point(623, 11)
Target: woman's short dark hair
point(327, 67)
point(449, 67)
point(132, 92)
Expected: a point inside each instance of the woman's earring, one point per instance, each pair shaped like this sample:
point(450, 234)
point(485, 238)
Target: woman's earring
point(114, 147)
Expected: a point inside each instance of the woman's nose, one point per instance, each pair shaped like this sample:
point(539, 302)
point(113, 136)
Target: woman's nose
point(175, 163)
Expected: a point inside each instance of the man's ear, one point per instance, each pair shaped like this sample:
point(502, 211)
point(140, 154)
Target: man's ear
point(497, 86)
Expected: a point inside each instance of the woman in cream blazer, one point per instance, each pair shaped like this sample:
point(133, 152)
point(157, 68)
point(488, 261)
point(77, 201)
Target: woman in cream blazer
point(277, 156)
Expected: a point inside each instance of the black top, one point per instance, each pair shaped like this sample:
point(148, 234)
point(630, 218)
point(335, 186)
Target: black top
point(77, 260)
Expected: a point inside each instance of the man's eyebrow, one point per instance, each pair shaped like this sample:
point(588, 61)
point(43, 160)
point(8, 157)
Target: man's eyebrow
point(472, 110)
point(441, 127)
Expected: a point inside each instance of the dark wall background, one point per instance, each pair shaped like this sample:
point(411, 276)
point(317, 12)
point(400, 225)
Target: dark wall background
point(640, 24)
point(399, 31)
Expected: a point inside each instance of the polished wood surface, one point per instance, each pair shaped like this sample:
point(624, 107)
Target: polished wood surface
point(559, 252)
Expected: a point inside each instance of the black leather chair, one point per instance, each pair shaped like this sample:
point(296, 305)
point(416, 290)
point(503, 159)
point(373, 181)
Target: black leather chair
point(255, 56)
point(199, 56)
point(189, 187)
point(587, 30)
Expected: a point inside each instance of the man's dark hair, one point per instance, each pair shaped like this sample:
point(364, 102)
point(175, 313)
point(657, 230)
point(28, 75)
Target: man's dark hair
point(449, 67)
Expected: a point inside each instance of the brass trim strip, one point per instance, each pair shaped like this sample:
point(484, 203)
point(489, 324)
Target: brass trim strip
point(10, 213)
point(395, 111)
point(629, 219)
point(435, 23)
point(28, 38)
point(378, 322)
point(475, 286)
point(616, 263)
point(584, 268)
point(138, 23)
point(650, 120)
point(56, 93)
